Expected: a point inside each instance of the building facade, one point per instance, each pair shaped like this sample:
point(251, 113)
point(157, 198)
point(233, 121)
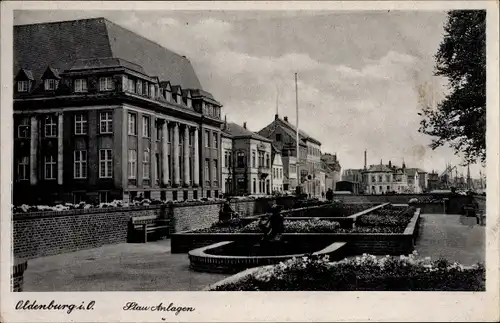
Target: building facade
point(101, 113)
point(283, 135)
point(332, 168)
point(278, 175)
point(252, 161)
point(227, 166)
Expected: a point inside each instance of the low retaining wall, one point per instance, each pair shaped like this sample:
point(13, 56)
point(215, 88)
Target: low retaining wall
point(453, 204)
point(200, 260)
point(42, 234)
point(358, 243)
point(17, 276)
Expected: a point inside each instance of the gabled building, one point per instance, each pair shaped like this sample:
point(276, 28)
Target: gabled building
point(228, 165)
point(101, 113)
point(252, 161)
point(283, 135)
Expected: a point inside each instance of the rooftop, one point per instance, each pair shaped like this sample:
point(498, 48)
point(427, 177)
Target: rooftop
point(61, 44)
point(236, 130)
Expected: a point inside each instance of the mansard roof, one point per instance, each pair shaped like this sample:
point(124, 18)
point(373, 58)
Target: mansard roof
point(60, 44)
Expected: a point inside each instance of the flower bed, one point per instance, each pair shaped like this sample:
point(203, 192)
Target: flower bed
point(115, 204)
point(425, 200)
point(365, 273)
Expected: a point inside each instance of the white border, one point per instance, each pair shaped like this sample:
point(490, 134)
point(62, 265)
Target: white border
point(279, 306)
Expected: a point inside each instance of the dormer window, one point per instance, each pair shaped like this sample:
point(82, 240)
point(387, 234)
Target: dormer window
point(80, 85)
point(23, 86)
point(168, 95)
point(23, 80)
point(50, 84)
point(152, 91)
point(131, 85)
point(179, 98)
point(106, 84)
point(139, 87)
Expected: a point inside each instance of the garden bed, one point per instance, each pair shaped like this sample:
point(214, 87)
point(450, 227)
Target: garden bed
point(366, 273)
point(378, 240)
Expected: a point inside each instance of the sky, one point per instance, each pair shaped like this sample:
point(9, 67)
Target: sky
point(362, 75)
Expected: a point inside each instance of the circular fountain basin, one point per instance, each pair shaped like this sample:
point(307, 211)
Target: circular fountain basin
point(235, 256)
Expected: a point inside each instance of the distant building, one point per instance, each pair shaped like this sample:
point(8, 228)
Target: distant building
point(277, 163)
point(252, 161)
point(227, 166)
point(332, 170)
point(283, 135)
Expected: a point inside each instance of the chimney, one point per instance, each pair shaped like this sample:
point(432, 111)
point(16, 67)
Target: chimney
point(245, 124)
point(365, 159)
point(286, 119)
point(390, 164)
point(225, 122)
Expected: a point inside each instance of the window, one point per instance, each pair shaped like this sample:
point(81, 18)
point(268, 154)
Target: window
point(230, 159)
point(254, 186)
point(191, 135)
point(207, 170)
point(253, 159)
point(139, 87)
point(131, 85)
point(132, 163)
point(103, 197)
point(23, 130)
point(240, 159)
point(388, 178)
point(374, 179)
point(215, 174)
point(185, 195)
point(80, 124)
point(81, 85)
point(145, 164)
point(23, 86)
point(50, 84)
point(209, 194)
point(132, 124)
point(380, 178)
point(146, 127)
point(163, 195)
point(207, 138)
point(278, 137)
point(158, 167)
point(105, 122)
point(158, 132)
point(225, 159)
point(106, 84)
point(105, 163)
point(216, 141)
point(267, 160)
point(23, 168)
point(80, 164)
point(50, 126)
point(50, 167)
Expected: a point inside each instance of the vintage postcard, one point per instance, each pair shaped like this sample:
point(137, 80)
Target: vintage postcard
point(249, 161)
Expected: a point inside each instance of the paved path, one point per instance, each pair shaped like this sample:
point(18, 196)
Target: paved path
point(120, 267)
point(453, 237)
point(151, 266)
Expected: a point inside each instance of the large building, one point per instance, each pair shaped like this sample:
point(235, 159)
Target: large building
point(101, 113)
point(251, 161)
point(283, 135)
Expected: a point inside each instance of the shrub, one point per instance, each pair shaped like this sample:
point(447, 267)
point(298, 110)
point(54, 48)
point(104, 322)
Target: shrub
point(365, 273)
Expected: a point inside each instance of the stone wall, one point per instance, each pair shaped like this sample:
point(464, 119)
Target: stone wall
point(48, 233)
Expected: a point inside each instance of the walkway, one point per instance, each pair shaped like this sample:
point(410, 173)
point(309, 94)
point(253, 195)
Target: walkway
point(151, 266)
point(453, 237)
point(120, 267)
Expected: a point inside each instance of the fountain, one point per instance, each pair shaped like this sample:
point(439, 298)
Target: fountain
point(235, 256)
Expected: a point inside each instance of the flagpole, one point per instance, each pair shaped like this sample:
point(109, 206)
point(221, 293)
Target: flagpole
point(297, 132)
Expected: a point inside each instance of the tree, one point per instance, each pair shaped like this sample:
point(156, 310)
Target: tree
point(460, 119)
